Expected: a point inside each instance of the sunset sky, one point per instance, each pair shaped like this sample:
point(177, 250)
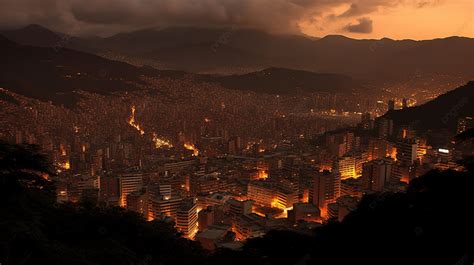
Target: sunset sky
point(397, 19)
point(405, 21)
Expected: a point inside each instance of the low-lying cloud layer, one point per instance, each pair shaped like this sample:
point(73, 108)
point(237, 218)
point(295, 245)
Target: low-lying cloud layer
point(110, 16)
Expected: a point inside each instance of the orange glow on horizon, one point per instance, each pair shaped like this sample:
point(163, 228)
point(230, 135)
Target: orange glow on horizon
point(397, 21)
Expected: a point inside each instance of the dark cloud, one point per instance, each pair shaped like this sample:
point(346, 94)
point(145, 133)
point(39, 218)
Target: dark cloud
point(354, 10)
point(271, 15)
point(363, 26)
point(110, 16)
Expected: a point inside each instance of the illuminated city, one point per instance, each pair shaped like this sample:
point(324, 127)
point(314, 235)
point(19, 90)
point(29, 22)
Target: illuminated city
point(203, 137)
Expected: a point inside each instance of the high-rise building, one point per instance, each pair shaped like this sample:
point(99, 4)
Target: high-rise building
point(346, 167)
point(271, 194)
point(240, 207)
point(178, 166)
point(407, 151)
point(164, 190)
point(261, 192)
point(285, 199)
point(356, 144)
point(161, 206)
point(205, 218)
point(137, 201)
point(206, 184)
point(360, 159)
point(377, 149)
point(109, 190)
point(376, 174)
point(326, 189)
point(128, 184)
point(187, 218)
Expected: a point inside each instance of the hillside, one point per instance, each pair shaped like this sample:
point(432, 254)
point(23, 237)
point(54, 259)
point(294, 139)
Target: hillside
point(202, 50)
point(285, 81)
point(232, 50)
point(51, 74)
point(440, 113)
point(36, 35)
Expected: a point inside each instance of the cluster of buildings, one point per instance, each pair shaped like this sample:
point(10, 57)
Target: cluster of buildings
point(220, 187)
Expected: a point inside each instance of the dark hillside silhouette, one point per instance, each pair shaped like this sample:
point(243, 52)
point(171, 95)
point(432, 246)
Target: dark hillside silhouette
point(440, 113)
point(35, 230)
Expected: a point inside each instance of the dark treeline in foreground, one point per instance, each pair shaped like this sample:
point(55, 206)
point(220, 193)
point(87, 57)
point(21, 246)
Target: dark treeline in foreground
point(430, 223)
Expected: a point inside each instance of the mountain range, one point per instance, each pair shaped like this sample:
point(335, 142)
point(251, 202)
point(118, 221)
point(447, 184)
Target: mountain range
point(50, 73)
point(284, 81)
point(46, 65)
point(217, 50)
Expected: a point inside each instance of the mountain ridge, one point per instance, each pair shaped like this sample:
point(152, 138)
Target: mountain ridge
point(276, 80)
point(45, 72)
point(216, 50)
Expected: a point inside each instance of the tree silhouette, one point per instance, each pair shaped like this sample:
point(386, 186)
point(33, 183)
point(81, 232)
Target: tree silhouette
point(23, 168)
point(35, 230)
